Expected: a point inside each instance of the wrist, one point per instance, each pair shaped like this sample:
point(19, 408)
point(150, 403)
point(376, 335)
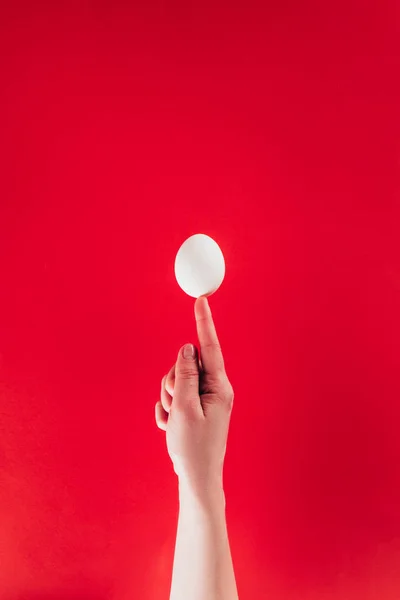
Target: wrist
point(206, 493)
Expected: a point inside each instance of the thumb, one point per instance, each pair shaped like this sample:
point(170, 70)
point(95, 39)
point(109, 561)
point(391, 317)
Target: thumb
point(186, 389)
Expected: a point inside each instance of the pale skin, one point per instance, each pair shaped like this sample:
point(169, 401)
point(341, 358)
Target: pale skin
point(194, 411)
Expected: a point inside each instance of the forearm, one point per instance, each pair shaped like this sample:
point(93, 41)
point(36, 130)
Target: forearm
point(203, 568)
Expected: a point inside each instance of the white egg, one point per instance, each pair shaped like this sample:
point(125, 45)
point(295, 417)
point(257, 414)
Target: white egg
point(199, 266)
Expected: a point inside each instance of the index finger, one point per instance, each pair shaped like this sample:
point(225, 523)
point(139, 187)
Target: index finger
point(211, 352)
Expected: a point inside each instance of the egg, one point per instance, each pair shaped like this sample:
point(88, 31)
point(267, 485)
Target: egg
point(199, 266)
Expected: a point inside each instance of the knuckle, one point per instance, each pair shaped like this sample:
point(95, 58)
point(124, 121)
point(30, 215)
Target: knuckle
point(157, 416)
point(187, 374)
point(229, 396)
point(222, 380)
point(223, 390)
point(169, 384)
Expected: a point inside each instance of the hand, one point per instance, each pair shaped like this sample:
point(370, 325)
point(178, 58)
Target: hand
point(196, 405)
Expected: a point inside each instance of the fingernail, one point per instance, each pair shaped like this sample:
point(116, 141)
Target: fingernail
point(189, 352)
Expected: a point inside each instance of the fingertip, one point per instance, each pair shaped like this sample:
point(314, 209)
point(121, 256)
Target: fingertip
point(201, 307)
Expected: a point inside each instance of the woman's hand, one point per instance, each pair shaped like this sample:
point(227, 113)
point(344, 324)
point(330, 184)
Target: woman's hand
point(195, 407)
point(195, 410)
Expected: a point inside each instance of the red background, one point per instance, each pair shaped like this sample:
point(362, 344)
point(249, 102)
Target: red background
point(274, 128)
